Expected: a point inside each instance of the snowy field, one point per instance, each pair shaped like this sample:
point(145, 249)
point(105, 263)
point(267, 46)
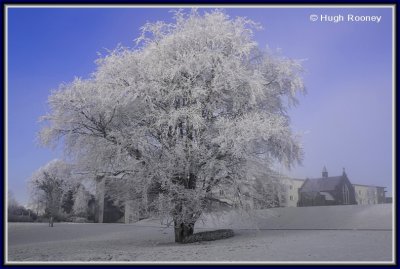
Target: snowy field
point(334, 233)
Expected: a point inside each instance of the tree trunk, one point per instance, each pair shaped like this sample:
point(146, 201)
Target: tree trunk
point(182, 231)
point(51, 221)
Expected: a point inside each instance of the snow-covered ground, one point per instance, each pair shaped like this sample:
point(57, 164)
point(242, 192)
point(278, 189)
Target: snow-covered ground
point(334, 233)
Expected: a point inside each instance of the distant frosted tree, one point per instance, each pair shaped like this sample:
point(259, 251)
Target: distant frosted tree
point(50, 182)
point(69, 194)
point(81, 202)
point(270, 192)
point(12, 202)
point(37, 201)
point(187, 112)
point(67, 202)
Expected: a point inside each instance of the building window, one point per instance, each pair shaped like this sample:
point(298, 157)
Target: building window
point(291, 197)
point(359, 192)
point(290, 187)
point(221, 192)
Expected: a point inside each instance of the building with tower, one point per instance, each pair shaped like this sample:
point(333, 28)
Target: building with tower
point(326, 190)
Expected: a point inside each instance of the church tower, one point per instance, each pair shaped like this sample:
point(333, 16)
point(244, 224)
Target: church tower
point(324, 172)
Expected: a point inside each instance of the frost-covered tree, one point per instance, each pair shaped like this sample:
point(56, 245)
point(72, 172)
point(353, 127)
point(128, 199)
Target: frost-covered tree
point(12, 202)
point(69, 195)
point(37, 200)
point(67, 202)
point(192, 109)
point(50, 182)
point(270, 191)
point(81, 202)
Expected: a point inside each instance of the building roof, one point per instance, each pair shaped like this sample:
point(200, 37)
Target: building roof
point(321, 184)
point(297, 179)
point(373, 186)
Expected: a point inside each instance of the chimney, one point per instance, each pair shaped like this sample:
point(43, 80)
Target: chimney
point(324, 172)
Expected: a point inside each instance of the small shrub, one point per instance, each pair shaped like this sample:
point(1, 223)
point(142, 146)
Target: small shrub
point(79, 220)
point(19, 218)
point(42, 219)
point(209, 236)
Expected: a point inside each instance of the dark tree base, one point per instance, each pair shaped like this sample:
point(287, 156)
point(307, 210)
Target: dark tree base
point(209, 236)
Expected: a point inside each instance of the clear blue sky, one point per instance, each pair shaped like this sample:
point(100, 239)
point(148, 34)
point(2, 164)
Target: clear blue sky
point(346, 117)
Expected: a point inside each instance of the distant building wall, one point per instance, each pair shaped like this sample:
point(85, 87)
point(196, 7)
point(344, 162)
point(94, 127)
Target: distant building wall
point(381, 195)
point(369, 195)
point(292, 191)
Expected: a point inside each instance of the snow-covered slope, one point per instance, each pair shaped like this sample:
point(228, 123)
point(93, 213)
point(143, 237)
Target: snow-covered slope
point(148, 241)
point(316, 217)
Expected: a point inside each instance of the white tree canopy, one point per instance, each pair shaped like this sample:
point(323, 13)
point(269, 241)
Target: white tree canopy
point(192, 109)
